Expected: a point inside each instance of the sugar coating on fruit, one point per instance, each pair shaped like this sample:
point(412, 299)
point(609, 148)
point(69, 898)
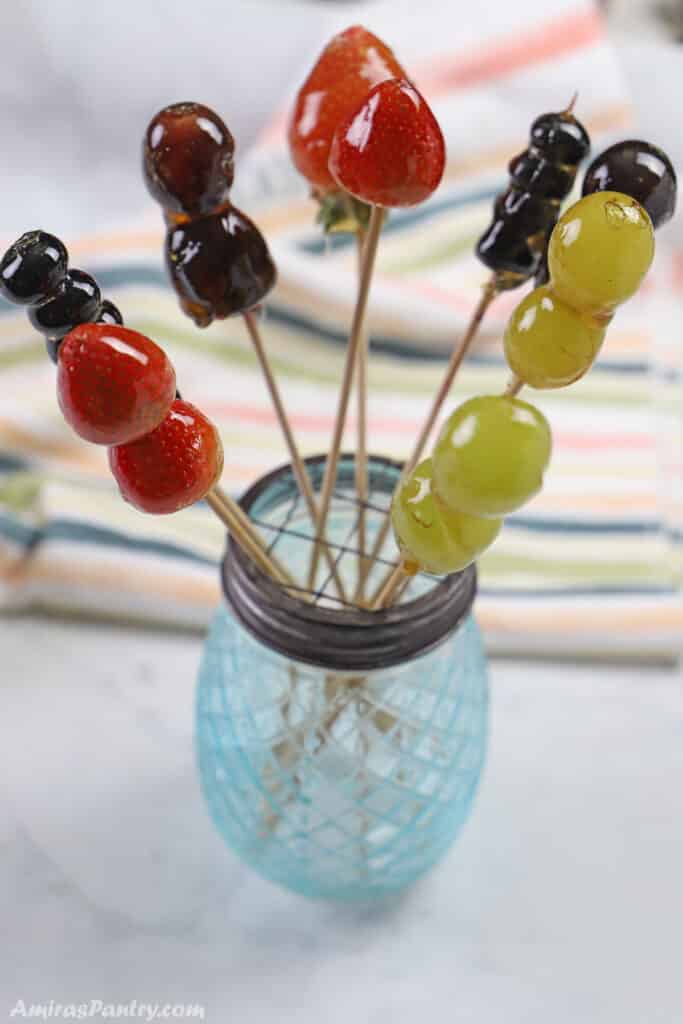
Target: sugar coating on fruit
point(390, 151)
point(640, 170)
point(219, 265)
point(352, 63)
point(172, 467)
point(32, 268)
point(113, 384)
point(547, 343)
point(431, 535)
point(491, 455)
point(600, 251)
point(75, 300)
point(188, 159)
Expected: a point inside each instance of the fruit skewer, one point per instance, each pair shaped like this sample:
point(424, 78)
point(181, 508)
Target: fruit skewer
point(117, 388)
point(388, 153)
point(513, 245)
point(352, 63)
point(217, 259)
point(492, 452)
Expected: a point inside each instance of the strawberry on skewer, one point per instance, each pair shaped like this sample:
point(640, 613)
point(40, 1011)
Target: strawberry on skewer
point(389, 153)
point(352, 63)
point(174, 466)
point(116, 387)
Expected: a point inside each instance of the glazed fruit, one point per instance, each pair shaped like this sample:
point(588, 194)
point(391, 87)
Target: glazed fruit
point(113, 384)
point(352, 63)
point(188, 159)
point(430, 534)
point(76, 300)
point(108, 313)
point(219, 265)
point(514, 244)
point(600, 252)
point(172, 467)
point(32, 268)
point(491, 456)
point(390, 150)
point(549, 344)
point(561, 138)
point(639, 170)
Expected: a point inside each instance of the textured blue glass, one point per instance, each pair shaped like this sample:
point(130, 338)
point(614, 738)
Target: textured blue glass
point(338, 785)
point(348, 789)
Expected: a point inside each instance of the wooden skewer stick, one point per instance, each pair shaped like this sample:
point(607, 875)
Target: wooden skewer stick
point(232, 516)
point(298, 467)
point(514, 386)
point(331, 465)
point(459, 352)
point(388, 589)
point(361, 461)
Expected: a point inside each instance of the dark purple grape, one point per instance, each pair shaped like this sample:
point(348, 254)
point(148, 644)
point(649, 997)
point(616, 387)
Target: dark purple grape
point(188, 159)
point(219, 265)
point(637, 169)
point(560, 138)
point(535, 174)
point(108, 313)
point(504, 250)
point(524, 215)
point(530, 214)
point(32, 268)
point(75, 301)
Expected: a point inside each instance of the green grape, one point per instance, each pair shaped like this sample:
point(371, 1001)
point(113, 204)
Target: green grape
point(491, 455)
point(429, 533)
point(600, 251)
point(547, 343)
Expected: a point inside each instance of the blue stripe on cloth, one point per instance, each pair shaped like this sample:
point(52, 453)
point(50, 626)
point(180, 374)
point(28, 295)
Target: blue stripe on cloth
point(78, 532)
point(140, 274)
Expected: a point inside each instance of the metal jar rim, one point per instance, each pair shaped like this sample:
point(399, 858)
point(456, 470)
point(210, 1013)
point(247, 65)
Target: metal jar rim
point(344, 640)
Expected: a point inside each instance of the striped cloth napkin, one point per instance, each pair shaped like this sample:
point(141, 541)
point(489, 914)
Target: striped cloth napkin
point(590, 568)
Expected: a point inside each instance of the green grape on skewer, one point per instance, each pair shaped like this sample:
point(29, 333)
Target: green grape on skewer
point(431, 536)
point(600, 251)
point(491, 455)
point(548, 344)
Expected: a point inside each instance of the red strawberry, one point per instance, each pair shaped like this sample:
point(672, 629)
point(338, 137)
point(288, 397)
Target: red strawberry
point(390, 150)
point(174, 466)
point(351, 64)
point(113, 384)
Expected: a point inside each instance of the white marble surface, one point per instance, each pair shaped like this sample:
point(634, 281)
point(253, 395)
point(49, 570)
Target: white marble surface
point(562, 901)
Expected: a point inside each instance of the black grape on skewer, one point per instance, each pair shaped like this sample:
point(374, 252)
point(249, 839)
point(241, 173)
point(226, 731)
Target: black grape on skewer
point(217, 259)
point(640, 170)
point(218, 265)
point(34, 272)
point(514, 244)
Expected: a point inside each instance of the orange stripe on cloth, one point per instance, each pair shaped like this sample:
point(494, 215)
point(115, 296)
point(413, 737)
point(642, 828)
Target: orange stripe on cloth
point(553, 39)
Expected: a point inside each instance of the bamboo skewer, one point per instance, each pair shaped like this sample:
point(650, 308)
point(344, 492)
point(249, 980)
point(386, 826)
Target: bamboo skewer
point(298, 466)
point(459, 352)
point(388, 589)
point(514, 386)
point(332, 463)
point(233, 517)
point(361, 460)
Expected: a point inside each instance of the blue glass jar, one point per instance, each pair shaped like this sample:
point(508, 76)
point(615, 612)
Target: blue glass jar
point(339, 749)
